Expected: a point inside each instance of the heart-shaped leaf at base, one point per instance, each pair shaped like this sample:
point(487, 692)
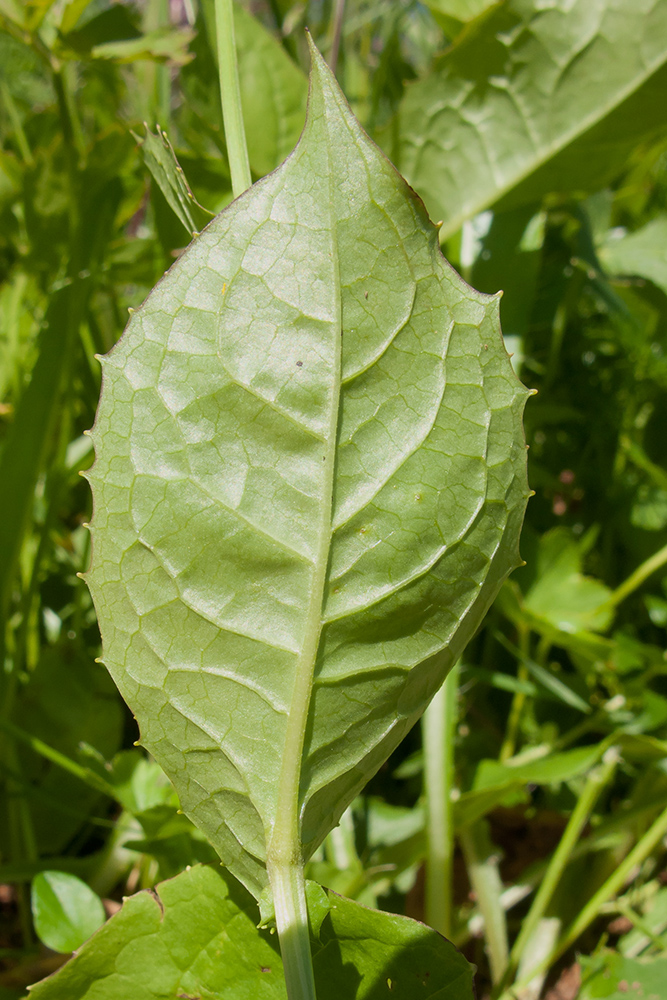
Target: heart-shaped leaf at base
point(195, 938)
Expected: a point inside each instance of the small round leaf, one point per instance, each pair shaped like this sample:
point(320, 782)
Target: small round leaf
point(65, 910)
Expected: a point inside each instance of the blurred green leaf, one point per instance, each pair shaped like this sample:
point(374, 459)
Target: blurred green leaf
point(649, 511)
point(67, 700)
point(610, 976)
point(14, 10)
point(561, 594)
point(531, 100)
point(66, 912)
point(453, 15)
point(642, 253)
point(550, 769)
point(115, 23)
point(653, 920)
point(163, 44)
point(29, 437)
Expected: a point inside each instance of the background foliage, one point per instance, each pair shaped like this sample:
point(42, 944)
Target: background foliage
point(538, 135)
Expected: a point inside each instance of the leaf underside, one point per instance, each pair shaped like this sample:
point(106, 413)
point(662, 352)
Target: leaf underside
point(309, 485)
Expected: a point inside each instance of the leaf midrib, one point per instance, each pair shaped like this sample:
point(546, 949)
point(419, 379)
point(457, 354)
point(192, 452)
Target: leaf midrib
point(285, 840)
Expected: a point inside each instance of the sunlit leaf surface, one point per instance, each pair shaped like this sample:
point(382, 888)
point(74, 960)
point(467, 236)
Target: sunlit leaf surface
point(309, 485)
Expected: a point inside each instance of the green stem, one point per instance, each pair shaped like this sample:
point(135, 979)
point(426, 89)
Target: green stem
point(230, 93)
point(590, 911)
point(17, 125)
point(482, 865)
point(289, 900)
point(635, 580)
point(159, 76)
point(44, 750)
point(438, 729)
point(518, 701)
point(597, 780)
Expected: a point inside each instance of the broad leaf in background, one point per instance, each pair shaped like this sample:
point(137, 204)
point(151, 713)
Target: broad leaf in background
point(196, 936)
point(543, 97)
point(66, 912)
point(309, 485)
point(642, 253)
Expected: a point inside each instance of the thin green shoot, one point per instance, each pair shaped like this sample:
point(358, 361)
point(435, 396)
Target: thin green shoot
point(439, 728)
point(230, 93)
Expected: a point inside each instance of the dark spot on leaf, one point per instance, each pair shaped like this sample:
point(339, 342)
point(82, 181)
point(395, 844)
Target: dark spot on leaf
point(365, 295)
point(265, 968)
point(299, 364)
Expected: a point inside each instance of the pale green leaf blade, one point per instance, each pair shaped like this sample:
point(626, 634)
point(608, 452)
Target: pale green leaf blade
point(65, 910)
point(372, 955)
point(309, 485)
point(545, 96)
point(461, 10)
point(196, 936)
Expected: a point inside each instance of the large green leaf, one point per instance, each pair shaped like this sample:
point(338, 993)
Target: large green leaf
point(195, 936)
point(545, 96)
point(309, 485)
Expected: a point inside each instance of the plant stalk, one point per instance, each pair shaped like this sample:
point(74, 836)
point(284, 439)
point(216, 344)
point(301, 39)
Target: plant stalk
point(289, 899)
point(438, 729)
point(518, 701)
point(230, 93)
point(645, 846)
point(597, 780)
point(635, 580)
point(484, 876)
